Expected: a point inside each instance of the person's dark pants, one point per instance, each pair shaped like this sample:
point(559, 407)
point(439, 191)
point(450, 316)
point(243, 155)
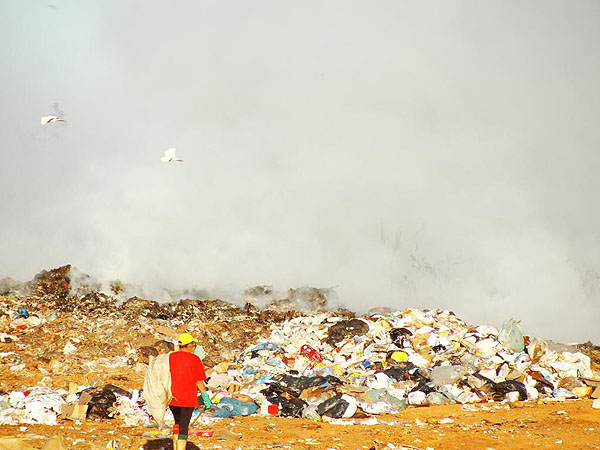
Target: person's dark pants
point(182, 416)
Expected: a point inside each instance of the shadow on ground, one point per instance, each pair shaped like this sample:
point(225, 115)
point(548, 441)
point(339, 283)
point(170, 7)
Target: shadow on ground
point(166, 444)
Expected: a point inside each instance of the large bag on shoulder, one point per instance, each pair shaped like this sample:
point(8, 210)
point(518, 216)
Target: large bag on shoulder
point(157, 387)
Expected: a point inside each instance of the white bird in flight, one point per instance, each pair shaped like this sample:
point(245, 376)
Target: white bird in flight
point(170, 156)
point(45, 120)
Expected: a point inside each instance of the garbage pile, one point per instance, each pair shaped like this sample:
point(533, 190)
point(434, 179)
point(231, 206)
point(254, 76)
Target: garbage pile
point(59, 329)
point(68, 290)
point(44, 405)
point(44, 314)
point(70, 352)
point(327, 366)
point(324, 365)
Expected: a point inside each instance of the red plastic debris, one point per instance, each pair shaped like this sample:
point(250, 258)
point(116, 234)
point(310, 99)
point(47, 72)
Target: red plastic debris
point(311, 353)
point(201, 433)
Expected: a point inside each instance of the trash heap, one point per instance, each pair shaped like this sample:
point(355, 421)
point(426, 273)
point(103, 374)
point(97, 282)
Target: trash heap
point(66, 347)
point(63, 337)
point(326, 366)
point(79, 403)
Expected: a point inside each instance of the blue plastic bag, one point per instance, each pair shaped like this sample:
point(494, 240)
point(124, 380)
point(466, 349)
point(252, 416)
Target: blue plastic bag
point(231, 407)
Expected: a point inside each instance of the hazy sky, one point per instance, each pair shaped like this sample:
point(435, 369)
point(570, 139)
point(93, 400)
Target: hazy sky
point(412, 154)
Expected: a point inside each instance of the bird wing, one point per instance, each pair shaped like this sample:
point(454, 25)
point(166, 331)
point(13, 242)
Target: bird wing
point(49, 119)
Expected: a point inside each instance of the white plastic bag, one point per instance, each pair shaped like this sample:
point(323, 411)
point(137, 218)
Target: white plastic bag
point(511, 336)
point(441, 375)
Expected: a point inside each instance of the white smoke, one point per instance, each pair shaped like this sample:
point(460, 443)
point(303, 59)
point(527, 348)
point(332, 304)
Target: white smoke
point(412, 154)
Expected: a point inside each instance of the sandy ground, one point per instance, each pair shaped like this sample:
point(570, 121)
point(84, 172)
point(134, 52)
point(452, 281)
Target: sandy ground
point(568, 425)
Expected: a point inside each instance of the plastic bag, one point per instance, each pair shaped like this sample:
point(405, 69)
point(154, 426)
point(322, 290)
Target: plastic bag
point(333, 407)
point(231, 407)
point(417, 398)
point(295, 385)
point(292, 408)
point(441, 375)
point(437, 398)
point(101, 405)
point(505, 387)
point(117, 390)
point(511, 336)
point(403, 372)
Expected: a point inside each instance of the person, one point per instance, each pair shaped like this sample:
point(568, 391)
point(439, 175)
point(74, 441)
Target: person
point(187, 377)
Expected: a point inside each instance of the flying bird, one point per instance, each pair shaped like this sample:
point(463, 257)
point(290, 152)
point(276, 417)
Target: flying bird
point(45, 120)
point(170, 156)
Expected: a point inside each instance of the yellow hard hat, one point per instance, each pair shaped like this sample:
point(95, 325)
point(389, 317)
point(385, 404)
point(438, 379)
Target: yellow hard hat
point(186, 338)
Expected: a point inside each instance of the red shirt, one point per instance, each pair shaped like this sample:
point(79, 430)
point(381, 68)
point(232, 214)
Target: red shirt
point(186, 370)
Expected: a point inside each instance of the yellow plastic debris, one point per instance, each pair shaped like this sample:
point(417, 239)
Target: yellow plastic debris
point(399, 356)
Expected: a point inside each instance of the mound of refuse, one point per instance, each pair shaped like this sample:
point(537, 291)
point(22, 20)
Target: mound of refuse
point(67, 289)
point(323, 365)
point(71, 352)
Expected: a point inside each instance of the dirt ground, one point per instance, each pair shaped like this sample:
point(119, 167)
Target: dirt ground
point(569, 425)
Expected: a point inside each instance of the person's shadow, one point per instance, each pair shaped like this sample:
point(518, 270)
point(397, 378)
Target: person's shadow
point(166, 444)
